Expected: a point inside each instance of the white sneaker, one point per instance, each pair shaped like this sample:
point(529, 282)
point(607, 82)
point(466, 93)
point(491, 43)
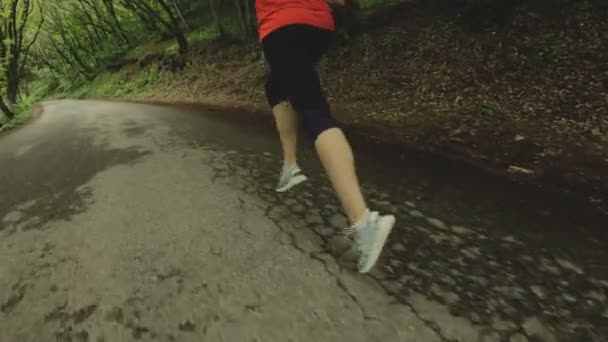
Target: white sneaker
point(370, 237)
point(290, 177)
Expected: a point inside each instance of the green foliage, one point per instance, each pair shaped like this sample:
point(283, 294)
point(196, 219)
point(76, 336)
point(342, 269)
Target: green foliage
point(367, 4)
point(152, 47)
point(202, 35)
point(22, 110)
point(118, 84)
point(82, 37)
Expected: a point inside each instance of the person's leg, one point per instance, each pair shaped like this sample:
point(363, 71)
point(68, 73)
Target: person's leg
point(333, 149)
point(370, 228)
point(335, 153)
point(286, 119)
point(337, 159)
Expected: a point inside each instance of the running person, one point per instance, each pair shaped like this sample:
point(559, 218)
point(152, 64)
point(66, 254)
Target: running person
point(294, 35)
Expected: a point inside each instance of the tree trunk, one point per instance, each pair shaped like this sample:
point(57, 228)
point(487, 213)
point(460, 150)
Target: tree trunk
point(5, 109)
point(181, 15)
point(26, 86)
point(216, 17)
point(12, 32)
point(242, 23)
point(249, 16)
point(12, 82)
point(173, 25)
point(148, 20)
point(182, 42)
point(120, 29)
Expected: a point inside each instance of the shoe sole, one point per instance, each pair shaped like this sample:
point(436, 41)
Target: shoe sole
point(385, 226)
point(293, 182)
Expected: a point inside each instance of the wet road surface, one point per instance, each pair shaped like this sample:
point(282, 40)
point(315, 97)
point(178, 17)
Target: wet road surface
point(126, 222)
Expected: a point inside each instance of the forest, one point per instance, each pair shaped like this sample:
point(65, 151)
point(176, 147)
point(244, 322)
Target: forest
point(63, 43)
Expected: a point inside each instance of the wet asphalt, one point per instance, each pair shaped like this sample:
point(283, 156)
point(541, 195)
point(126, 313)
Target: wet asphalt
point(125, 222)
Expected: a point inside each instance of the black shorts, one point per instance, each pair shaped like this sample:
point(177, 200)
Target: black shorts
point(293, 54)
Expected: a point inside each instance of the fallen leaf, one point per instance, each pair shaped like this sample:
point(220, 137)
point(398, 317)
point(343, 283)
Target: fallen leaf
point(517, 169)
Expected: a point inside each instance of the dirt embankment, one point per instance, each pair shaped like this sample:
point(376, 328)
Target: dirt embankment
point(523, 92)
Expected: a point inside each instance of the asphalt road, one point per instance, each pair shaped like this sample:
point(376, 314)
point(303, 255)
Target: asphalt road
point(124, 222)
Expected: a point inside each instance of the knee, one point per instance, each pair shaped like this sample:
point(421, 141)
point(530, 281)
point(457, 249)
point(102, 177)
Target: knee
point(310, 102)
point(316, 122)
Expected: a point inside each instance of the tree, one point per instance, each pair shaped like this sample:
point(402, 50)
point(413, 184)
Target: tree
point(14, 50)
point(214, 8)
point(70, 42)
point(246, 16)
point(154, 12)
point(110, 7)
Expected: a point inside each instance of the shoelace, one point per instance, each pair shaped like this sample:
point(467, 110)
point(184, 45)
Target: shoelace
point(350, 231)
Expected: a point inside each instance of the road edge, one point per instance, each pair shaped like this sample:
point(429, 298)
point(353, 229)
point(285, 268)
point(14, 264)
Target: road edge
point(35, 111)
point(383, 136)
point(375, 134)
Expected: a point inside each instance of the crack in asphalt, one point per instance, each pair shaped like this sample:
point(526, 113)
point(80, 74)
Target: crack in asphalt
point(315, 256)
point(400, 299)
point(339, 282)
point(241, 224)
point(161, 147)
point(346, 290)
point(323, 262)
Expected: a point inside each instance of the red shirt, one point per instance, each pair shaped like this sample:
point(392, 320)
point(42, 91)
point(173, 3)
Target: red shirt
point(274, 14)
